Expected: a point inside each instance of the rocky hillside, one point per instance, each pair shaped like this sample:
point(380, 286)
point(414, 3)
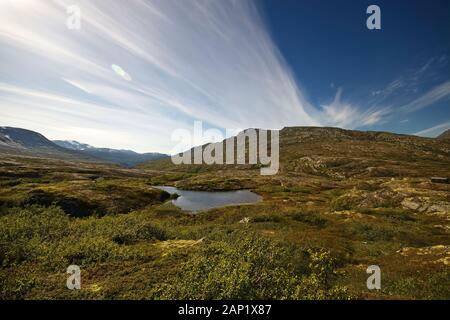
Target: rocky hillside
point(345, 153)
point(445, 135)
point(339, 153)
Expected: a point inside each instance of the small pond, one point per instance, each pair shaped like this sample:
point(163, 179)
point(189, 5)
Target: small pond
point(203, 200)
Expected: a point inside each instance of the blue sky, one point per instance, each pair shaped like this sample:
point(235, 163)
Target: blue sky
point(138, 70)
point(329, 48)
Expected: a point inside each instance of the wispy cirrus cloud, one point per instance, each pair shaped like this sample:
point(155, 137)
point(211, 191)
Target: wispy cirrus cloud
point(408, 84)
point(390, 88)
point(344, 114)
point(434, 131)
point(407, 92)
point(432, 96)
point(158, 60)
point(399, 96)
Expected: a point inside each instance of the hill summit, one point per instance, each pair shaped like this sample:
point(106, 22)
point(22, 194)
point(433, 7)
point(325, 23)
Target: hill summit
point(445, 135)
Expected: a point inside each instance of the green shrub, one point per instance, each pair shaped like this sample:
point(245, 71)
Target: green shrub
point(87, 250)
point(267, 218)
point(318, 285)
point(374, 232)
point(309, 218)
point(14, 288)
point(143, 232)
point(348, 201)
point(248, 268)
point(23, 232)
point(421, 285)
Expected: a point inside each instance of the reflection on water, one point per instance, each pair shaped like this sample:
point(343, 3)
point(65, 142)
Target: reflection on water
point(203, 200)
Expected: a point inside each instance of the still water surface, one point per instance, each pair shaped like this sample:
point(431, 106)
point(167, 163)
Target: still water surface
point(203, 200)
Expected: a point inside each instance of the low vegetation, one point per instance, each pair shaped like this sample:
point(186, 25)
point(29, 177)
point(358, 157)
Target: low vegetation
point(323, 220)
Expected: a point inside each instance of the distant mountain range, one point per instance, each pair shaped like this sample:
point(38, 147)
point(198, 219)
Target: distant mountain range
point(30, 143)
point(27, 142)
point(123, 157)
point(296, 144)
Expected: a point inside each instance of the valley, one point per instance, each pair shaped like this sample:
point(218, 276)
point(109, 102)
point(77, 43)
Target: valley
point(343, 200)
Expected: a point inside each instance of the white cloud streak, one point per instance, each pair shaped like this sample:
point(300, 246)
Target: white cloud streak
point(184, 60)
point(345, 115)
point(434, 131)
point(432, 96)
